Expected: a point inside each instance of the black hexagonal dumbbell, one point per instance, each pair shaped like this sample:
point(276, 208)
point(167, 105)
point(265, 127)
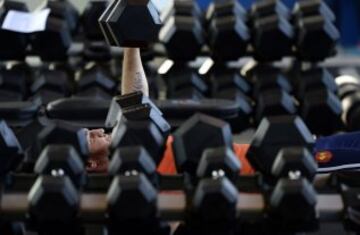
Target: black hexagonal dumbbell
point(181, 8)
point(223, 8)
point(309, 8)
point(145, 133)
point(99, 52)
point(273, 37)
point(182, 37)
point(297, 160)
point(145, 112)
point(57, 36)
point(13, 84)
point(273, 134)
point(182, 26)
point(136, 107)
point(218, 162)
point(96, 81)
point(215, 200)
point(128, 101)
point(295, 168)
point(10, 149)
point(263, 9)
point(316, 90)
point(89, 19)
point(132, 196)
point(49, 194)
point(132, 203)
point(315, 78)
point(121, 18)
point(133, 99)
point(63, 133)
point(265, 78)
point(210, 132)
point(245, 108)
point(64, 9)
point(314, 25)
point(226, 21)
point(51, 85)
point(228, 84)
point(272, 33)
point(215, 196)
point(131, 161)
point(225, 78)
point(185, 83)
point(62, 172)
point(60, 160)
point(292, 205)
point(329, 105)
point(132, 192)
point(274, 102)
point(14, 43)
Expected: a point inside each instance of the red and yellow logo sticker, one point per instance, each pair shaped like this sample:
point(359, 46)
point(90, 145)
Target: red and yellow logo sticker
point(323, 156)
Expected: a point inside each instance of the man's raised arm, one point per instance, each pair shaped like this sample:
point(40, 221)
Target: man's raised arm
point(133, 75)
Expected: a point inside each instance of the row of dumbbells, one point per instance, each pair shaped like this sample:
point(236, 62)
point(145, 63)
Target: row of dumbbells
point(267, 91)
point(51, 44)
point(96, 82)
point(269, 31)
point(211, 181)
point(50, 85)
point(226, 21)
point(55, 43)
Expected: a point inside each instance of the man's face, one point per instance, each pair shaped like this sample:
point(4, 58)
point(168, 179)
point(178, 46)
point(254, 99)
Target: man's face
point(99, 143)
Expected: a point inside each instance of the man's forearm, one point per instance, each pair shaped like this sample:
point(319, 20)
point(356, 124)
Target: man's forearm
point(133, 76)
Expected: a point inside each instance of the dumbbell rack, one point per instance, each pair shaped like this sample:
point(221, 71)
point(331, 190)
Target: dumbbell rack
point(171, 206)
point(172, 200)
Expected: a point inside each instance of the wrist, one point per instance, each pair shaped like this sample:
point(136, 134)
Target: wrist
point(130, 50)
